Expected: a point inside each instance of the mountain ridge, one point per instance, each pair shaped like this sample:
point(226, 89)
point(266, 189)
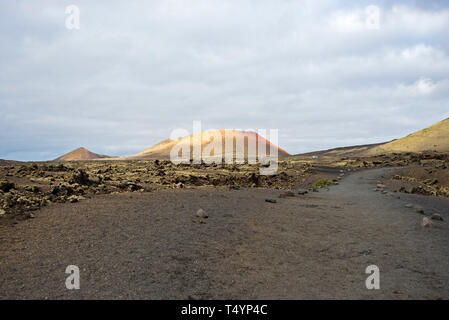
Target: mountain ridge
point(431, 138)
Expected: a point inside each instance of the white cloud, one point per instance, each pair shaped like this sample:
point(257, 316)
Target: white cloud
point(422, 51)
point(134, 71)
point(356, 20)
point(423, 87)
point(402, 18)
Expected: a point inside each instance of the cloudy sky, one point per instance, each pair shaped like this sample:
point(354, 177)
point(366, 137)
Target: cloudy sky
point(322, 72)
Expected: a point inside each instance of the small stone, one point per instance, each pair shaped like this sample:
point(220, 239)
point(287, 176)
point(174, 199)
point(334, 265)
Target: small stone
point(74, 198)
point(286, 194)
point(302, 192)
point(2, 212)
point(202, 214)
point(436, 216)
point(426, 223)
point(381, 186)
point(419, 210)
point(409, 205)
point(271, 200)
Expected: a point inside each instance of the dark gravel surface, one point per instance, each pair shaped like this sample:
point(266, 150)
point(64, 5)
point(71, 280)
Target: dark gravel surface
point(152, 245)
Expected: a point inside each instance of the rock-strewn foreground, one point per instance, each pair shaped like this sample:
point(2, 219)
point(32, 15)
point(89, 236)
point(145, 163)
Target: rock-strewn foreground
point(26, 187)
point(152, 229)
point(156, 245)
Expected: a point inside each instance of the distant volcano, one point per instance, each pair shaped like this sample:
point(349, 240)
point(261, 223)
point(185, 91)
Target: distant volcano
point(162, 149)
point(80, 154)
point(205, 140)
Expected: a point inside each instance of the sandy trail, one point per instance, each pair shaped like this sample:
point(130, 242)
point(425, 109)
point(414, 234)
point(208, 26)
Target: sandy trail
point(152, 246)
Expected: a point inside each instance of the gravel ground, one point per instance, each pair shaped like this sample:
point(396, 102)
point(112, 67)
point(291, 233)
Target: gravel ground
point(153, 246)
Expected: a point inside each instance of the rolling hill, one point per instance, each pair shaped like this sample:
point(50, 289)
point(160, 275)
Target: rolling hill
point(433, 138)
point(80, 154)
point(162, 149)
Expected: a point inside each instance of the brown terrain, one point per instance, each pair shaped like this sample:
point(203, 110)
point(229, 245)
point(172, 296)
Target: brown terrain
point(135, 228)
point(162, 149)
point(80, 154)
point(433, 138)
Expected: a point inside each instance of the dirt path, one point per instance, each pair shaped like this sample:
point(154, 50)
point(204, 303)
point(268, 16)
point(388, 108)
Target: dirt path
point(152, 246)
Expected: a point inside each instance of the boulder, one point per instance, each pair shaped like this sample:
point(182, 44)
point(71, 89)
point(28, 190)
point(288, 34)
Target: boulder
point(426, 223)
point(202, 214)
point(5, 186)
point(437, 216)
point(80, 177)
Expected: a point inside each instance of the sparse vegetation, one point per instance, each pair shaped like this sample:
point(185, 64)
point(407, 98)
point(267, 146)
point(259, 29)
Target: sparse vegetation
point(25, 187)
point(322, 183)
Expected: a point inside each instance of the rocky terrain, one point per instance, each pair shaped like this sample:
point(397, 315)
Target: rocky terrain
point(26, 187)
point(151, 229)
point(424, 173)
point(221, 243)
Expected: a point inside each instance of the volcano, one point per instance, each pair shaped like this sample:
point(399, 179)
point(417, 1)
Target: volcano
point(80, 154)
point(162, 149)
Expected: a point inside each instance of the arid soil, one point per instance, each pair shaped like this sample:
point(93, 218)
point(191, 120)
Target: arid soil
point(424, 173)
point(429, 179)
point(27, 187)
point(152, 245)
point(308, 232)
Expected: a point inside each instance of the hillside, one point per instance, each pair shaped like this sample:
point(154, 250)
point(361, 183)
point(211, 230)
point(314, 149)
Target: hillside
point(80, 154)
point(162, 149)
point(339, 152)
point(433, 138)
